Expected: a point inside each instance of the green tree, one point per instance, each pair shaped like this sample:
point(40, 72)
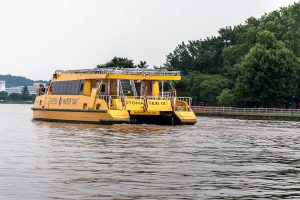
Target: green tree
point(268, 75)
point(15, 97)
point(226, 98)
point(3, 96)
point(32, 97)
point(25, 94)
point(119, 62)
point(258, 60)
point(205, 88)
point(142, 64)
point(200, 55)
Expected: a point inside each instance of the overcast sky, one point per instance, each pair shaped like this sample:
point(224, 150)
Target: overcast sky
point(40, 36)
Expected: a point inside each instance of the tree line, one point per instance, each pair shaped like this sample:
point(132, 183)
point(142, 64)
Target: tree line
point(252, 65)
point(16, 97)
point(123, 63)
point(255, 64)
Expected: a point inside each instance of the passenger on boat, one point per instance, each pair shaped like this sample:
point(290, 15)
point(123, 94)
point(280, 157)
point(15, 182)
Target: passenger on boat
point(41, 90)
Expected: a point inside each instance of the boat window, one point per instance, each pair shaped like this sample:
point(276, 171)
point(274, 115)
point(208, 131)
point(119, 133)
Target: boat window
point(73, 83)
point(53, 91)
point(68, 87)
point(64, 87)
point(55, 88)
point(81, 87)
point(76, 87)
point(60, 88)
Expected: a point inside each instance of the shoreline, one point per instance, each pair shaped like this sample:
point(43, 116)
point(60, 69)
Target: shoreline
point(248, 113)
point(17, 102)
point(250, 117)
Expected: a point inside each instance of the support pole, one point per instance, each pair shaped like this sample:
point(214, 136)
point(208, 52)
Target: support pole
point(118, 87)
point(108, 87)
point(162, 89)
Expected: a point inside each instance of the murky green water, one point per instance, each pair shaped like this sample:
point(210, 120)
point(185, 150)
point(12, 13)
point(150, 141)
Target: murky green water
point(215, 159)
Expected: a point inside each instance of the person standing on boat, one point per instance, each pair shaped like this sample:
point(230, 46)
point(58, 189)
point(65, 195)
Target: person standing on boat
point(41, 90)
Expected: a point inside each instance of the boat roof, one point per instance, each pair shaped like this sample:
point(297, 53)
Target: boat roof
point(118, 73)
point(117, 70)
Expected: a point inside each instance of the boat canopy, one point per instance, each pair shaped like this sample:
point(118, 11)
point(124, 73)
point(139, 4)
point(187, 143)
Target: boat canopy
point(118, 73)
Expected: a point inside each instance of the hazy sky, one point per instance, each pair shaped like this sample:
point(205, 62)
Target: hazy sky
point(40, 36)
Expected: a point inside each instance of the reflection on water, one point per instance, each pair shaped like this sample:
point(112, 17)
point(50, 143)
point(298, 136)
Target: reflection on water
point(215, 159)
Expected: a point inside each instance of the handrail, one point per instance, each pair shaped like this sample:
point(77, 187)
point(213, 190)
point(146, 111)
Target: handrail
point(123, 71)
point(235, 110)
point(108, 98)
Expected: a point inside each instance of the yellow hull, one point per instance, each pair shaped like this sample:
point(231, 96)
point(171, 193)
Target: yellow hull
point(112, 116)
point(186, 117)
point(84, 116)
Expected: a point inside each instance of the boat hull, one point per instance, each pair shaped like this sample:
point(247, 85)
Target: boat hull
point(112, 117)
point(165, 118)
point(81, 115)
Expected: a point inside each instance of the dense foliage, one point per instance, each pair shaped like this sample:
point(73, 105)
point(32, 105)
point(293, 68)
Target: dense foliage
point(123, 63)
point(255, 64)
point(15, 97)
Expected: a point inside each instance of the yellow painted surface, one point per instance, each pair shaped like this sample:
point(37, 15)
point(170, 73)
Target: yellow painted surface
point(71, 77)
point(82, 116)
point(119, 114)
point(87, 87)
point(93, 98)
point(182, 106)
point(155, 89)
point(186, 116)
point(153, 105)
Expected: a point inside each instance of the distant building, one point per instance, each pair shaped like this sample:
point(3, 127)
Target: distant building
point(13, 90)
point(2, 86)
point(32, 89)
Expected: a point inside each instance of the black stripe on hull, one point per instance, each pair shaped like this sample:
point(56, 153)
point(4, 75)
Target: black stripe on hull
point(166, 118)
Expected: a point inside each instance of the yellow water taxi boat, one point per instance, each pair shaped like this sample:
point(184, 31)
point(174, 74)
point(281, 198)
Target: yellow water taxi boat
point(113, 95)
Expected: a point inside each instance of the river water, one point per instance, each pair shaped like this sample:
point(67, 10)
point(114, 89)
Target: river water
point(215, 159)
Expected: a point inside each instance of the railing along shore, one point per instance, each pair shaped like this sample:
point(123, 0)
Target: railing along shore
point(234, 111)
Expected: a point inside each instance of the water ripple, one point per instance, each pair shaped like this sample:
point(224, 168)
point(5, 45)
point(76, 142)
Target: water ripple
point(215, 159)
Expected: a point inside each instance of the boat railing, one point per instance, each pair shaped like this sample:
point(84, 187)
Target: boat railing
point(108, 99)
point(123, 71)
point(188, 100)
point(277, 112)
point(166, 94)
